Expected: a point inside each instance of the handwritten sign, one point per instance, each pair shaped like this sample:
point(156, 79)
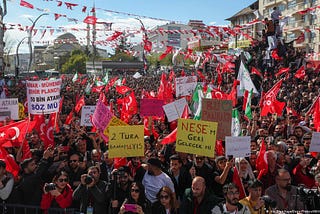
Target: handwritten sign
point(86, 113)
point(126, 141)
point(43, 96)
point(218, 111)
point(175, 109)
point(196, 137)
point(315, 142)
point(113, 122)
point(238, 146)
point(151, 107)
point(9, 108)
point(185, 85)
point(101, 116)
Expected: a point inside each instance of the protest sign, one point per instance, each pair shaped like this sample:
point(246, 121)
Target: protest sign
point(196, 137)
point(185, 85)
point(174, 110)
point(86, 113)
point(101, 117)
point(238, 147)
point(219, 111)
point(9, 108)
point(151, 107)
point(315, 142)
point(113, 122)
point(126, 141)
point(43, 96)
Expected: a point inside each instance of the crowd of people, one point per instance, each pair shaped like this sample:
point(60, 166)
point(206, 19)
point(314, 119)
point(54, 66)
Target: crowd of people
point(76, 173)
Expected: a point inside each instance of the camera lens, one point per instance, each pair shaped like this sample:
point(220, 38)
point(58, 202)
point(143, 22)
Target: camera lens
point(88, 179)
point(49, 187)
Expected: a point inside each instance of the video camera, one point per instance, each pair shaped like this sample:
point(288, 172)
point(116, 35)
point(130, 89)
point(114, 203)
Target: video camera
point(269, 202)
point(310, 197)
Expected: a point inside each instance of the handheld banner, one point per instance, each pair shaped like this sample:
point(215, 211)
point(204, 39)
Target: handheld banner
point(86, 112)
point(315, 142)
point(151, 107)
point(196, 137)
point(238, 147)
point(9, 108)
point(113, 122)
point(126, 141)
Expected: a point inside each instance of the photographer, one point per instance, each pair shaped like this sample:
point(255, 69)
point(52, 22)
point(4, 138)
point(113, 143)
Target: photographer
point(57, 194)
point(91, 192)
point(286, 195)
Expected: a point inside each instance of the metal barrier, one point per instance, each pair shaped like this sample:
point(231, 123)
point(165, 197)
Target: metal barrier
point(28, 209)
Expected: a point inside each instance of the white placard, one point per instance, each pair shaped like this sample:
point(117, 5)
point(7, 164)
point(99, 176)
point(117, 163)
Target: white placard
point(315, 142)
point(43, 96)
point(86, 112)
point(175, 109)
point(238, 146)
point(185, 85)
point(9, 108)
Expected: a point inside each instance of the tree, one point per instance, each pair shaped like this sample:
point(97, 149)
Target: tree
point(76, 63)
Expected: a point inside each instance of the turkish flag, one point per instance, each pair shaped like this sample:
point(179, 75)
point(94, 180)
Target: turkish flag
point(122, 89)
point(316, 115)
point(270, 103)
point(11, 164)
point(202, 77)
point(233, 93)
point(168, 50)
point(103, 99)
point(261, 162)
point(256, 72)
point(69, 118)
point(26, 4)
point(79, 104)
point(301, 73)
point(282, 71)
point(162, 87)
point(147, 45)
point(16, 131)
point(237, 181)
point(91, 20)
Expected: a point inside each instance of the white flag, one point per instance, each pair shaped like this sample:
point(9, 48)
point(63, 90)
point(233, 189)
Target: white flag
point(245, 81)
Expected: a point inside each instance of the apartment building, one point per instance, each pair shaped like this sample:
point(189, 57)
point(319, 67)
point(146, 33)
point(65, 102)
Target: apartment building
point(299, 20)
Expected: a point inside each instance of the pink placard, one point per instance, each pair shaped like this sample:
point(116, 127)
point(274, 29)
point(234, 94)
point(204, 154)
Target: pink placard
point(151, 107)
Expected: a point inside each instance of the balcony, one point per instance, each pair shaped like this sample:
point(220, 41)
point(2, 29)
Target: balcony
point(294, 26)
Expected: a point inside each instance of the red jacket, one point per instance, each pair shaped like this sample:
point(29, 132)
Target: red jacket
point(301, 178)
point(64, 200)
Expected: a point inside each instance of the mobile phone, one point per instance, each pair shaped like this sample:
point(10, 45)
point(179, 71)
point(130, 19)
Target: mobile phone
point(130, 207)
point(230, 157)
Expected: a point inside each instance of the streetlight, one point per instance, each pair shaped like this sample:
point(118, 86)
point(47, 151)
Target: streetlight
point(17, 57)
point(30, 37)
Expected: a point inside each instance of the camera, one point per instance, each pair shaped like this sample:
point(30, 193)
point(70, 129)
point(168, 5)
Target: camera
point(88, 179)
point(49, 187)
point(268, 202)
point(310, 197)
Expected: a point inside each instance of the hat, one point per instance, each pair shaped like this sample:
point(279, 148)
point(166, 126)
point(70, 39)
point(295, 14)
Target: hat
point(155, 162)
point(124, 169)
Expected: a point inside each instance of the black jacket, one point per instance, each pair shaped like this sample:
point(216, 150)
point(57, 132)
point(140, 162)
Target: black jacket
point(158, 208)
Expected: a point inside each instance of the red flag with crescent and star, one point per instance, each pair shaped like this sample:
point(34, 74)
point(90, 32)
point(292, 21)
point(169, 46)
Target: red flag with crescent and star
point(15, 131)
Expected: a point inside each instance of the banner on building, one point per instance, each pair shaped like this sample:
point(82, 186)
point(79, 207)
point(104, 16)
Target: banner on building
point(43, 96)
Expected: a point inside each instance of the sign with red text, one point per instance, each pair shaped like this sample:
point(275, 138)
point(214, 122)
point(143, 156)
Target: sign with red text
point(238, 147)
point(43, 96)
point(126, 141)
point(185, 85)
point(219, 111)
point(86, 114)
point(9, 109)
point(196, 137)
point(151, 107)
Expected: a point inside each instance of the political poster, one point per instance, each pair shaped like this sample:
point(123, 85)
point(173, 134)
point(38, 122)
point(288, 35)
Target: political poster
point(185, 85)
point(175, 109)
point(151, 107)
point(126, 141)
point(315, 142)
point(86, 113)
point(113, 122)
point(219, 111)
point(196, 137)
point(43, 96)
point(9, 109)
point(238, 147)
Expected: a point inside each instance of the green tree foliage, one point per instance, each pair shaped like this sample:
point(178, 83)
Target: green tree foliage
point(76, 63)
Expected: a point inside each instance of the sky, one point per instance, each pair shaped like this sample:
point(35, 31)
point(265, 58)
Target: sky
point(212, 12)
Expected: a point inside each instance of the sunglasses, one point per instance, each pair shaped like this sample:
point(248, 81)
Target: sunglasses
point(62, 180)
point(135, 190)
point(164, 197)
point(73, 161)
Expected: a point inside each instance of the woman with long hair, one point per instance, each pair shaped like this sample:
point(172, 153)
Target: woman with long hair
point(137, 201)
point(57, 194)
point(166, 203)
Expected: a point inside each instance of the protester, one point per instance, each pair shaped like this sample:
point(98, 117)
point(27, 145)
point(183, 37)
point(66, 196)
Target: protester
point(166, 202)
point(138, 199)
point(57, 194)
point(6, 182)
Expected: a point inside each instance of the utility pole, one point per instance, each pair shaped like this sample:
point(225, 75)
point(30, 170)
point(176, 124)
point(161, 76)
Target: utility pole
point(17, 58)
point(3, 12)
point(30, 31)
